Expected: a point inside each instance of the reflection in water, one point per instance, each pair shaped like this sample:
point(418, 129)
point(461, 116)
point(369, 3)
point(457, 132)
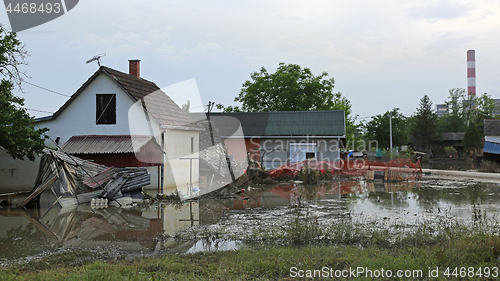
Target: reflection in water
point(152, 230)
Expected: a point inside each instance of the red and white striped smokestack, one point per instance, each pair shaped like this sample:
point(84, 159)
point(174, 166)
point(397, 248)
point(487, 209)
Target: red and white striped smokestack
point(471, 72)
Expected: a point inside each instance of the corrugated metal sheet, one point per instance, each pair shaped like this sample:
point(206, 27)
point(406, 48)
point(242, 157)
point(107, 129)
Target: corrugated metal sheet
point(101, 178)
point(283, 123)
point(306, 123)
point(491, 147)
point(102, 144)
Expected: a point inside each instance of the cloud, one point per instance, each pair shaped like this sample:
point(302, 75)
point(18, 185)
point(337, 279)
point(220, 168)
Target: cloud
point(442, 10)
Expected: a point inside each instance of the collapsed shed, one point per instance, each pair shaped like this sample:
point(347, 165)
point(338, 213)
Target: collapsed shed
point(76, 181)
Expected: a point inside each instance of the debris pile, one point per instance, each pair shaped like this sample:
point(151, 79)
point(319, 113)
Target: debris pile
point(76, 181)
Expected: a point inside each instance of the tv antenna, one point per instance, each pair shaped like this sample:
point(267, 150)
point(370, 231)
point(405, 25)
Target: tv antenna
point(96, 58)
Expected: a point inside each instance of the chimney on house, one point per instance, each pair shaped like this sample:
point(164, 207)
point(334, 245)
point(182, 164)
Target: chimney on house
point(134, 67)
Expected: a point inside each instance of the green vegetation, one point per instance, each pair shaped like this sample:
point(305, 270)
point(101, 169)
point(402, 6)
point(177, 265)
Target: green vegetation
point(427, 247)
point(292, 88)
point(18, 134)
point(450, 151)
point(378, 129)
point(472, 138)
point(424, 126)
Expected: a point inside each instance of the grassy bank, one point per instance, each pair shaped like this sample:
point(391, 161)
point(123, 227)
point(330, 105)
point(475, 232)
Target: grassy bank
point(345, 250)
point(267, 263)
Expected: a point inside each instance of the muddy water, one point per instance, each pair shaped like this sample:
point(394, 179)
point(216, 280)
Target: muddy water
point(148, 231)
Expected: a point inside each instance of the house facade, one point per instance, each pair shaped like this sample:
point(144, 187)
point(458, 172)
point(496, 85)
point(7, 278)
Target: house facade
point(277, 138)
point(122, 119)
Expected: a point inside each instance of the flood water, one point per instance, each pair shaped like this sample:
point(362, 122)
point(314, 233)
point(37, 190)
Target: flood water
point(155, 229)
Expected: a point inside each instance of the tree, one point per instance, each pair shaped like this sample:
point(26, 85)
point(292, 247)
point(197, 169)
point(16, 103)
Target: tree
point(424, 127)
point(292, 88)
point(472, 138)
point(463, 109)
point(18, 135)
point(186, 106)
point(378, 129)
point(455, 119)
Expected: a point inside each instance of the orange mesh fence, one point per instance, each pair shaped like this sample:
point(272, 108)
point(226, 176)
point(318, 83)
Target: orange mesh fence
point(354, 167)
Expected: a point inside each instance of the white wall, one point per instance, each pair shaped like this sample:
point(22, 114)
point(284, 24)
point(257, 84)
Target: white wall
point(177, 171)
point(495, 139)
point(79, 118)
point(17, 175)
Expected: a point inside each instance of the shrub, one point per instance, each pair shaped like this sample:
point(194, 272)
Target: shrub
point(450, 151)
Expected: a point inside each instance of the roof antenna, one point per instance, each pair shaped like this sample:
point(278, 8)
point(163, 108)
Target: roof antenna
point(96, 58)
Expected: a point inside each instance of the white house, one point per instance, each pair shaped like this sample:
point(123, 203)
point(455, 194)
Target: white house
point(123, 120)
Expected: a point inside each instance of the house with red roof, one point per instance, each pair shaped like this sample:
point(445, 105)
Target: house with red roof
point(123, 120)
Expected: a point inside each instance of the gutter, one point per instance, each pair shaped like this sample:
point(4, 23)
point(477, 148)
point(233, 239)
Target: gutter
point(184, 128)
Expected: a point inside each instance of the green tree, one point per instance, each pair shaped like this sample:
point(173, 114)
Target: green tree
point(455, 119)
point(18, 135)
point(186, 106)
point(292, 88)
point(424, 125)
point(472, 138)
point(484, 107)
point(378, 129)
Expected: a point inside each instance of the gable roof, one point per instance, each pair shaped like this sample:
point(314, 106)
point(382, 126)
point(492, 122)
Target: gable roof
point(282, 123)
point(491, 127)
point(160, 106)
point(453, 136)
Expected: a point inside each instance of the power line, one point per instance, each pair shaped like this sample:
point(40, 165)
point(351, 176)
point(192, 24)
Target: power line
point(31, 109)
point(46, 89)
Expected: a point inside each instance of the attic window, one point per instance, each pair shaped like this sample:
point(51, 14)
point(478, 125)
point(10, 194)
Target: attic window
point(105, 112)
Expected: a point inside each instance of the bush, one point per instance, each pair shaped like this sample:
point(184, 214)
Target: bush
point(488, 167)
point(450, 151)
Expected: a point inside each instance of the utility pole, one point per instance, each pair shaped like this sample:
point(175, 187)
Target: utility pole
point(390, 133)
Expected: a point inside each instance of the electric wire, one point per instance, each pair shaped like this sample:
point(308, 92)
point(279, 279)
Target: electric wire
point(46, 89)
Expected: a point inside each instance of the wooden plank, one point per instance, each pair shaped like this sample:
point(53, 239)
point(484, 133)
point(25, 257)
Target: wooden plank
point(39, 190)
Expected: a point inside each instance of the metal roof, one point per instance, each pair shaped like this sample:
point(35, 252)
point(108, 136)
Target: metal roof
point(107, 144)
point(491, 147)
point(282, 123)
point(453, 136)
point(491, 127)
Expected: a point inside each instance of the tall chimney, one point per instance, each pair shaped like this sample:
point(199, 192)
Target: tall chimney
point(134, 67)
point(471, 72)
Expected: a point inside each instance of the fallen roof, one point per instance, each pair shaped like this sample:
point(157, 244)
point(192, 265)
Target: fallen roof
point(155, 101)
point(108, 144)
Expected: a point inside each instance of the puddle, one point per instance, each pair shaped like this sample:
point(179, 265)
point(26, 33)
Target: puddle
point(226, 223)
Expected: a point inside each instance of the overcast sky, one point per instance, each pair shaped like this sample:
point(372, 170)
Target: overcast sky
point(382, 54)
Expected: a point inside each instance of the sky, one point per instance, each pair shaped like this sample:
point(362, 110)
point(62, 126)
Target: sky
point(382, 54)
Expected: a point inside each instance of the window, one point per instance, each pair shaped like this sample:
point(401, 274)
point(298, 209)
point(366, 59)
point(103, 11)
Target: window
point(298, 152)
point(105, 112)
